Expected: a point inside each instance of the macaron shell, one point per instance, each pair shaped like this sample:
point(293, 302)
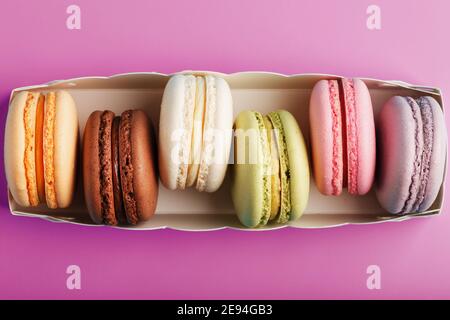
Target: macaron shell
point(106, 189)
point(298, 164)
point(29, 119)
point(438, 156)
point(145, 178)
point(324, 141)
point(91, 167)
point(365, 135)
point(250, 186)
point(65, 138)
point(176, 110)
point(14, 150)
point(217, 134)
point(396, 153)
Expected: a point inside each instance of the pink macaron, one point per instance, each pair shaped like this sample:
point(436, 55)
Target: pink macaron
point(412, 146)
point(342, 136)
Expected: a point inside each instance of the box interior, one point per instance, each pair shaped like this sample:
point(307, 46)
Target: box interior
point(191, 210)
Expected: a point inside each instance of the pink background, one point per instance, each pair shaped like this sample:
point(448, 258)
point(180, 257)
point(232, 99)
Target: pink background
point(227, 36)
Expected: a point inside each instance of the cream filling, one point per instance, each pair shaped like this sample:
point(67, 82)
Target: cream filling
point(39, 157)
point(208, 133)
point(185, 146)
point(285, 208)
point(197, 132)
point(275, 170)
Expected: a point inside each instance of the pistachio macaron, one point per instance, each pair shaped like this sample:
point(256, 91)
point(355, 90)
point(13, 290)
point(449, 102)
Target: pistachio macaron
point(270, 178)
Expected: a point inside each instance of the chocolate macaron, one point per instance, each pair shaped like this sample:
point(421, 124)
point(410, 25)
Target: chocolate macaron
point(119, 167)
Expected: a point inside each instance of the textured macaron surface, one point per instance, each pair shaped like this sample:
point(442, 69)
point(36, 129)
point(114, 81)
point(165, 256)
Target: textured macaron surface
point(351, 135)
point(40, 147)
point(143, 159)
point(119, 171)
point(433, 165)
point(127, 168)
point(343, 136)
point(106, 174)
point(195, 132)
point(365, 141)
point(299, 176)
point(326, 137)
point(49, 147)
point(251, 185)
point(15, 149)
point(412, 147)
point(29, 119)
point(270, 178)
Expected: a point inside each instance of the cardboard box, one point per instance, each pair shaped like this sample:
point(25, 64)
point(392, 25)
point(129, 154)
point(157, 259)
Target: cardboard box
point(263, 91)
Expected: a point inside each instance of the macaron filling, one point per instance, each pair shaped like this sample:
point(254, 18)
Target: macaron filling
point(197, 132)
point(344, 136)
point(285, 206)
point(39, 124)
point(39, 148)
point(208, 132)
point(186, 135)
point(275, 170)
point(194, 151)
point(116, 173)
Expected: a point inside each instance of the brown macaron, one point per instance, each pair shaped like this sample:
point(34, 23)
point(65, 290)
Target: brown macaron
point(119, 167)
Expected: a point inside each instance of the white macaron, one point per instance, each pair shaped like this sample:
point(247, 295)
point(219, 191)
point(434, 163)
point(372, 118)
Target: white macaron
point(195, 132)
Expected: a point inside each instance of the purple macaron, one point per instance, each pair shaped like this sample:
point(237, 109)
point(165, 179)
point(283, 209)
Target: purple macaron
point(412, 146)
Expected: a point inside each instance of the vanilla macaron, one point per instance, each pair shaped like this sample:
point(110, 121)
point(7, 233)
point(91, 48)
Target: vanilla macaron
point(195, 132)
point(40, 148)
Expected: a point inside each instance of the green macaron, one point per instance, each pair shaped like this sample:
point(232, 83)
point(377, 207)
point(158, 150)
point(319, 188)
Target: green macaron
point(270, 182)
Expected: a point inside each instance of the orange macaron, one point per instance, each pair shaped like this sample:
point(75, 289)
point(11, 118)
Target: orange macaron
point(40, 148)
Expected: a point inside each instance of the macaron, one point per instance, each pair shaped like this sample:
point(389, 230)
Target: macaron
point(270, 180)
point(41, 137)
point(342, 136)
point(119, 167)
point(195, 132)
point(412, 147)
